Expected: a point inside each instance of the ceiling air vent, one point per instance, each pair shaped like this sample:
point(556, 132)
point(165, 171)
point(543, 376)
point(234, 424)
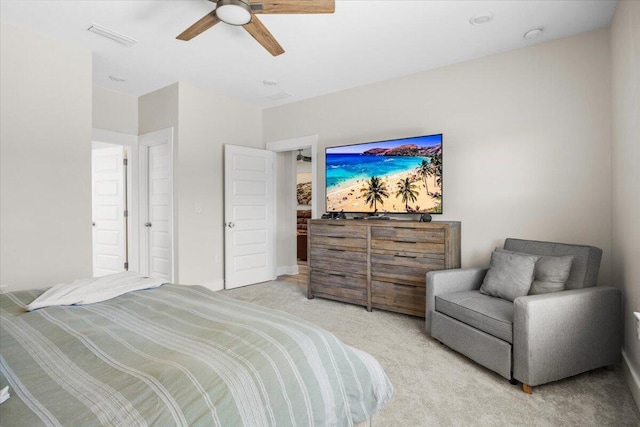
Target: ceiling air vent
point(115, 36)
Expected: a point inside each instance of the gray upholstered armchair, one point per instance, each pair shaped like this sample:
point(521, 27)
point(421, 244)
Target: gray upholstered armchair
point(536, 338)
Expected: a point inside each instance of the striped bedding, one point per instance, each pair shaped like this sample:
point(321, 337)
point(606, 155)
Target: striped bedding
point(178, 355)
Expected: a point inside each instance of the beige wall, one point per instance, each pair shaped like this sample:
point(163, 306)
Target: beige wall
point(158, 110)
point(45, 151)
point(207, 121)
point(115, 111)
point(625, 59)
point(526, 139)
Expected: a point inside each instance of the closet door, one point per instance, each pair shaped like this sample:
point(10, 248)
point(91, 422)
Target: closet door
point(157, 247)
point(108, 210)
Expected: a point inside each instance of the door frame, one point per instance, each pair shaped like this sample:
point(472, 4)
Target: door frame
point(163, 136)
point(133, 187)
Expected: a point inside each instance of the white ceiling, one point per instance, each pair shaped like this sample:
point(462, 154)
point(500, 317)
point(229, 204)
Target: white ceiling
point(362, 43)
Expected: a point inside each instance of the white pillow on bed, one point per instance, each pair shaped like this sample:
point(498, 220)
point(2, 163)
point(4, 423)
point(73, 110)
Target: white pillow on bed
point(95, 289)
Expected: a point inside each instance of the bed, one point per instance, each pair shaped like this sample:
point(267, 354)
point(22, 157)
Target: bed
point(178, 355)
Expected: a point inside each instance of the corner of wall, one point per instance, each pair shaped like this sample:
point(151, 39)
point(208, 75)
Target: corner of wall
point(632, 377)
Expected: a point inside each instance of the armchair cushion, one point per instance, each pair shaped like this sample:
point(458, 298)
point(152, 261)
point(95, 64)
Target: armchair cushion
point(586, 259)
point(510, 275)
point(445, 281)
point(488, 314)
point(551, 273)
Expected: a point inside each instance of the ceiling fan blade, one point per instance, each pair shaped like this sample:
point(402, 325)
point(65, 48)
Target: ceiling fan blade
point(259, 32)
point(207, 21)
point(293, 6)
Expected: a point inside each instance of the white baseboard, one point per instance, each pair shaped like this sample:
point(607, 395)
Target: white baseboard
point(632, 377)
point(288, 270)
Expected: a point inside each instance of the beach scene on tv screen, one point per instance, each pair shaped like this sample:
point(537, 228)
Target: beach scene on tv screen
point(397, 176)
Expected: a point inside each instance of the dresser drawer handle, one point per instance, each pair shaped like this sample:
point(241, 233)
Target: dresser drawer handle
point(406, 256)
point(404, 241)
point(337, 274)
point(336, 250)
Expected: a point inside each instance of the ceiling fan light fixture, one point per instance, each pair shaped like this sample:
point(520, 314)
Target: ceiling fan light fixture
point(234, 12)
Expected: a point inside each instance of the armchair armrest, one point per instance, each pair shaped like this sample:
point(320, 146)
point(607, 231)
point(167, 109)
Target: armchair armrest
point(453, 280)
point(562, 334)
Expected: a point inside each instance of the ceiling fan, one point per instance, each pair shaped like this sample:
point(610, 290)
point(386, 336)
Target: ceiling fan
point(301, 157)
point(243, 12)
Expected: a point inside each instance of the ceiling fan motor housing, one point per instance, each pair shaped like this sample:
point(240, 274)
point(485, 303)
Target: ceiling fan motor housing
point(234, 12)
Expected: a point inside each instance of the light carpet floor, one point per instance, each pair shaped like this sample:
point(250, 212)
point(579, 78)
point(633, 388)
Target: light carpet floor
point(435, 386)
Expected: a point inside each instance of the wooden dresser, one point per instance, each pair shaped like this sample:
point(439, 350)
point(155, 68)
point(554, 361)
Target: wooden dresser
point(379, 264)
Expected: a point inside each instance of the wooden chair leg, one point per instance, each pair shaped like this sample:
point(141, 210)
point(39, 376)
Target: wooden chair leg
point(527, 388)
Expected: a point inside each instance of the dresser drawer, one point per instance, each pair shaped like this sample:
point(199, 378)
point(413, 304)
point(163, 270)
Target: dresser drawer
point(408, 269)
point(408, 247)
point(408, 234)
point(338, 260)
point(342, 287)
point(339, 242)
point(339, 229)
point(398, 297)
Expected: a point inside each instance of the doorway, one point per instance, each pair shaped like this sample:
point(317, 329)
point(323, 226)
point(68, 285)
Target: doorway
point(304, 148)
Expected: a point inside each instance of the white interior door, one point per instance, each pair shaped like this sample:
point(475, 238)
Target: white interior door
point(108, 191)
point(157, 190)
point(249, 216)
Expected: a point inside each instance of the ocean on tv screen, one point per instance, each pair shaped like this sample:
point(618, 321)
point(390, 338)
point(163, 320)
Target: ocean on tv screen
point(398, 176)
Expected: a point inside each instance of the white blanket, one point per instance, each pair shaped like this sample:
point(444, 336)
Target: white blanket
point(96, 289)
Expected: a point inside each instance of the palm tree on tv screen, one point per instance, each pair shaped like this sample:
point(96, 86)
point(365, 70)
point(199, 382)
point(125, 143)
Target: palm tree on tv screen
point(374, 192)
point(424, 170)
point(436, 165)
point(407, 190)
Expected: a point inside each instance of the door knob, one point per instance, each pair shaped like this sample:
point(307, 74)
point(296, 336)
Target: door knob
point(230, 225)
point(147, 224)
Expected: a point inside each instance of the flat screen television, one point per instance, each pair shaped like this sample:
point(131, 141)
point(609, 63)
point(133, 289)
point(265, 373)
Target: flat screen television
point(386, 177)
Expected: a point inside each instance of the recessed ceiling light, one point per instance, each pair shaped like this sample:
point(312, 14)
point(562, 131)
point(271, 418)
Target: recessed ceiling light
point(115, 36)
point(269, 82)
point(481, 18)
point(117, 79)
point(533, 34)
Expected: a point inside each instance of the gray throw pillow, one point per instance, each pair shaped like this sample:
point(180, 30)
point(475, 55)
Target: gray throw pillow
point(551, 273)
point(510, 275)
